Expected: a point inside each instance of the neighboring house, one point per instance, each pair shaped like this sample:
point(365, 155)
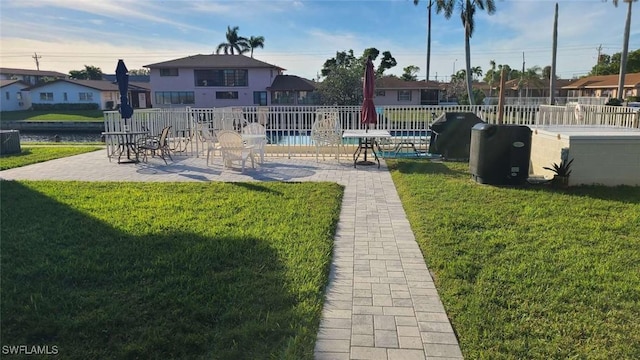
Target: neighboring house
point(13, 96)
point(207, 81)
point(30, 77)
point(604, 86)
point(391, 90)
point(101, 92)
point(132, 78)
point(292, 90)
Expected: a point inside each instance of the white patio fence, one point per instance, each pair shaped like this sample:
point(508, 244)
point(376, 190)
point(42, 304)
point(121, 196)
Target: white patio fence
point(289, 127)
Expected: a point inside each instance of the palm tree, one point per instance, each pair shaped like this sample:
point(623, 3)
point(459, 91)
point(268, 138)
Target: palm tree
point(492, 63)
point(625, 49)
point(255, 42)
point(429, 5)
point(467, 10)
point(234, 43)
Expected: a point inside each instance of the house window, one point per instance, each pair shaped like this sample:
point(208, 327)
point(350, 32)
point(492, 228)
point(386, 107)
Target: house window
point(175, 97)
point(404, 95)
point(380, 93)
point(46, 96)
point(229, 77)
point(65, 97)
point(6, 95)
point(169, 72)
point(19, 96)
point(226, 95)
point(305, 98)
point(283, 97)
point(86, 96)
point(260, 98)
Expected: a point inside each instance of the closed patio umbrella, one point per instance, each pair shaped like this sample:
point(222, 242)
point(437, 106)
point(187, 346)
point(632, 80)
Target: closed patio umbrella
point(368, 113)
point(122, 77)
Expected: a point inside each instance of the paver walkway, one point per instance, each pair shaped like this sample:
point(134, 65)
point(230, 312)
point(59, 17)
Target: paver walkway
point(381, 302)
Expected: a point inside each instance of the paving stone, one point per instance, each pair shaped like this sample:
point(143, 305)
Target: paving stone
point(384, 322)
point(363, 340)
point(443, 350)
point(438, 337)
point(407, 342)
point(406, 354)
point(328, 345)
point(386, 338)
point(368, 353)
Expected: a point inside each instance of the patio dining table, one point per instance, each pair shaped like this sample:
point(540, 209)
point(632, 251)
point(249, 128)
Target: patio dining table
point(126, 144)
point(367, 139)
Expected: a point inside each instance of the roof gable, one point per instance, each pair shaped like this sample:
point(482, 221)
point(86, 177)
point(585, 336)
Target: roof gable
point(605, 81)
point(11, 71)
point(291, 83)
point(5, 82)
point(102, 85)
point(213, 61)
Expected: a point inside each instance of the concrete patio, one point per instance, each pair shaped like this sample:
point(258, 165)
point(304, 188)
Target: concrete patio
point(381, 302)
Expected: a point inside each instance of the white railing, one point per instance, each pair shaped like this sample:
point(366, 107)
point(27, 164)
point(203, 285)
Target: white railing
point(289, 127)
point(588, 115)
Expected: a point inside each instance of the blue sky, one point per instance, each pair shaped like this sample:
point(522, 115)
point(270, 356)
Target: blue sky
point(301, 34)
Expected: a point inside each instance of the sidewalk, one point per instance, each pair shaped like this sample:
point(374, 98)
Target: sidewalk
point(381, 302)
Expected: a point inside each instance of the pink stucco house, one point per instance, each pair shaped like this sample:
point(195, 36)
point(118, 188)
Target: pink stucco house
point(219, 81)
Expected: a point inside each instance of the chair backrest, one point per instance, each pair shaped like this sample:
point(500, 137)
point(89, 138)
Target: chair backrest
point(231, 144)
point(326, 128)
point(254, 129)
point(263, 115)
point(164, 135)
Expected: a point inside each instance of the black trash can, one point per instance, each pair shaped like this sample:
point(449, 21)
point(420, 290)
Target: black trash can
point(451, 135)
point(500, 154)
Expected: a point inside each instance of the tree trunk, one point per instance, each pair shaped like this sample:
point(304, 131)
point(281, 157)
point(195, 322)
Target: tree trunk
point(429, 38)
point(552, 80)
point(467, 49)
point(625, 50)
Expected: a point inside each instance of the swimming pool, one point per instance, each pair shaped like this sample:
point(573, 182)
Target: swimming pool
point(304, 137)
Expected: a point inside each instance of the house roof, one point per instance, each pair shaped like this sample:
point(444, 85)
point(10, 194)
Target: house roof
point(141, 85)
point(292, 83)
point(392, 82)
point(213, 61)
point(132, 78)
point(10, 71)
point(605, 81)
point(5, 82)
point(102, 85)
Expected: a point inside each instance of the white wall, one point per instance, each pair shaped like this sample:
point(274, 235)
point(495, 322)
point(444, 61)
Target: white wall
point(13, 103)
point(73, 94)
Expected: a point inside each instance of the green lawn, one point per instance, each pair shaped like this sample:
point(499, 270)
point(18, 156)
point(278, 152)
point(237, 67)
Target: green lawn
point(34, 154)
point(166, 270)
point(53, 115)
point(529, 272)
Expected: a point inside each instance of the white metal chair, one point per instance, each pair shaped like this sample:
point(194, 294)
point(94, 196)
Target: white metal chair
point(233, 148)
point(211, 141)
point(327, 131)
point(257, 138)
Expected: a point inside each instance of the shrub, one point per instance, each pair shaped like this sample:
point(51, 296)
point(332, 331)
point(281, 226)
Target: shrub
point(614, 102)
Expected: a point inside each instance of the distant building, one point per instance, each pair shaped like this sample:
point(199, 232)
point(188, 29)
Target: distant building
point(101, 92)
point(212, 81)
point(391, 90)
point(30, 77)
point(604, 86)
point(292, 90)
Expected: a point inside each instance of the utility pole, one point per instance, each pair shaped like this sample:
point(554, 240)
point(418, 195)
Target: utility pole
point(36, 58)
point(599, 48)
point(552, 80)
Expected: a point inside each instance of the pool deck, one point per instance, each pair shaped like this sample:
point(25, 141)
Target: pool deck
point(381, 302)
